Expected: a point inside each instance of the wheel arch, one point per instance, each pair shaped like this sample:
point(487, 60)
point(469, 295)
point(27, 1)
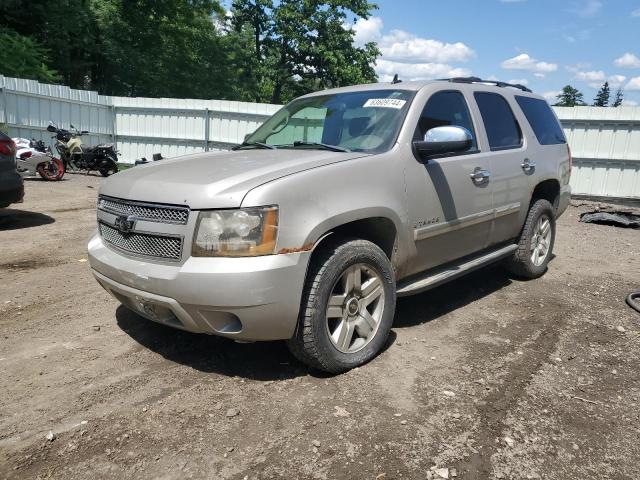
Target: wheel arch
point(548, 190)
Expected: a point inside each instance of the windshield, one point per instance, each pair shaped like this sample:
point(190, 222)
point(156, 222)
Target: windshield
point(364, 121)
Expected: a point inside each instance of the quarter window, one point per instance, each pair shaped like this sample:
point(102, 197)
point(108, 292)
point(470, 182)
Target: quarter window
point(542, 120)
point(444, 109)
point(501, 126)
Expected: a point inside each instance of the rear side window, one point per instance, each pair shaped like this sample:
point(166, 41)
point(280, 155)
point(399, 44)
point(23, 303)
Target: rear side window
point(501, 126)
point(542, 120)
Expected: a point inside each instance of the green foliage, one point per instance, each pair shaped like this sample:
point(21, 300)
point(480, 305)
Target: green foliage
point(21, 56)
point(298, 46)
point(602, 97)
point(570, 97)
point(617, 100)
point(268, 51)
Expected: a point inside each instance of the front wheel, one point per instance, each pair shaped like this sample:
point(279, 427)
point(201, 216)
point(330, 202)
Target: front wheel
point(347, 307)
point(535, 245)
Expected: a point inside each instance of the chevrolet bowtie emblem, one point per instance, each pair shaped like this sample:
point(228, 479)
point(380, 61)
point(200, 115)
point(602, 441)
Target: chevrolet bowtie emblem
point(125, 223)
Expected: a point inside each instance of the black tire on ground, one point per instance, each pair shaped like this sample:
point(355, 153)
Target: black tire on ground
point(311, 343)
point(521, 264)
point(108, 167)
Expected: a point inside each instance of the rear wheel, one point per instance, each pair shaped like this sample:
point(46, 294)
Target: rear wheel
point(109, 166)
point(347, 307)
point(535, 245)
point(51, 170)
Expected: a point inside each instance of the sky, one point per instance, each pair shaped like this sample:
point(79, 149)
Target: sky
point(543, 44)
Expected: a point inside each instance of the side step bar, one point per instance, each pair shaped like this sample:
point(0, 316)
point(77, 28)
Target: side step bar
point(452, 271)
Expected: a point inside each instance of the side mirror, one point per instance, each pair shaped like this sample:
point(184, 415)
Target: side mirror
point(444, 140)
point(71, 124)
point(51, 128)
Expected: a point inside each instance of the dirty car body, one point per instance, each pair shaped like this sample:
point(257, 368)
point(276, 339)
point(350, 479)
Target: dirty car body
point(223, 243)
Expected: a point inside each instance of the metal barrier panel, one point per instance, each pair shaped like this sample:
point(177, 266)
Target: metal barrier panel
point(605, 142)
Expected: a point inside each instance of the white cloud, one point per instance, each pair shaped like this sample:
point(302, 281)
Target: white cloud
point(634, 84)
point(628, 60)
point(367, 30)
point(596, 78)
point(386, 69)
point(552, 97)
point(587, 8)
point(616, 81)
point(521, 81)
point(525, 62)
point(636, 13)
point(592, 76)
point(401, 46)
point(539, 75)
point(629, 103)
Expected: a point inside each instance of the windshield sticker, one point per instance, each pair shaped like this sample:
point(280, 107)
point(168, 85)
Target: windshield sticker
point(385, 103)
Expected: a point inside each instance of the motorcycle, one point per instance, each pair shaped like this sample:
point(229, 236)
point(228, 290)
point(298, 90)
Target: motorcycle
point(34, 158)
point(102, 158)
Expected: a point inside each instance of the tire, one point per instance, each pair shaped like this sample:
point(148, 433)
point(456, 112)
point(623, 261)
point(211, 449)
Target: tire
point(109, 166)
point(524, 264)
point(319, 341)
point(51, 171)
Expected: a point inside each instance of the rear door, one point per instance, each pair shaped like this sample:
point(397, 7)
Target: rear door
point(508, 149)
point(451, 213)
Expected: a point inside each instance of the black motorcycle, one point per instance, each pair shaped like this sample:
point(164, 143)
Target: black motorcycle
point(102, 158)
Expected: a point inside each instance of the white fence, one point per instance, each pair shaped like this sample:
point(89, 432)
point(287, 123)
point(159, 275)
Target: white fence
point(605, 141)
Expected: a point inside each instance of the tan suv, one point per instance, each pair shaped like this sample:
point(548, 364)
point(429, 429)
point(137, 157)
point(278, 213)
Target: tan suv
point(339, 203)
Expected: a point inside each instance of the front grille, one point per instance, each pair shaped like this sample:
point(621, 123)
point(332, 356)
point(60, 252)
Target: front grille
point(152, 212)
point(147, 245)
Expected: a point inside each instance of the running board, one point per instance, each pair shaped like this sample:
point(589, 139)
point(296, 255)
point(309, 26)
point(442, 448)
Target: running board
point(452, 271)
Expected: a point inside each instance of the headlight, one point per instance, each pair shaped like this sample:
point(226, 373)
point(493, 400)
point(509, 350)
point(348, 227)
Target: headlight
point(245, 232)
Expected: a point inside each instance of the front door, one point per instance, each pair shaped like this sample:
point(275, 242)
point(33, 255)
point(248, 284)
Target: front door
point(450, 198)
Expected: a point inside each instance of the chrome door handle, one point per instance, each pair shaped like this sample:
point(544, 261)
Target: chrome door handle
point(480, 175)
point(528, 165)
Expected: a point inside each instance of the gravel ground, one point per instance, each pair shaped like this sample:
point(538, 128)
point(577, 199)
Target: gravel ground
point(486, 377)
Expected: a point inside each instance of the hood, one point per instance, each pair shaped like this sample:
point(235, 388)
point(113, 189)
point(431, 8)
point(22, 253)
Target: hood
point(214, 179)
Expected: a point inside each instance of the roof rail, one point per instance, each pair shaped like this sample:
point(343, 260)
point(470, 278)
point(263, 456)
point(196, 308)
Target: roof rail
point(497, 83)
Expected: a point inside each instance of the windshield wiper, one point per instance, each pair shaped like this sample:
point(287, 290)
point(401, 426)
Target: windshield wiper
point(254, 144)
point(326, 146)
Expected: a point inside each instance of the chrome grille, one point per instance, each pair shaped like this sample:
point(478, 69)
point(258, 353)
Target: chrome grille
point(152, 212)
point(147, 245)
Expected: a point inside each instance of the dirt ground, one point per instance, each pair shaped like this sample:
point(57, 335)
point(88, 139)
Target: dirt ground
point(487, 377)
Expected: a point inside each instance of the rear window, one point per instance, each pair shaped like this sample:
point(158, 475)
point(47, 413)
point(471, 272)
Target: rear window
point(502, 128)
point(544, 123)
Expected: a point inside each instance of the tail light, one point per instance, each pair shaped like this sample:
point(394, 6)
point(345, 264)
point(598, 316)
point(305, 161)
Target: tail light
point(26, 154)
point(7, 147)
point(570, 158)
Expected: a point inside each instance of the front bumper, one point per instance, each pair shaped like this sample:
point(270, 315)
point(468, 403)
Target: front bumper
point(253, 298)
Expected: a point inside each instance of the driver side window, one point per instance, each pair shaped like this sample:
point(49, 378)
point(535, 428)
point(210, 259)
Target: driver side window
point(444, 109)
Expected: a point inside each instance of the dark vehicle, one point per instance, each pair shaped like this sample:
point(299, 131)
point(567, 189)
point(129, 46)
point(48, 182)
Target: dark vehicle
point(102, 158)
point(11, 185)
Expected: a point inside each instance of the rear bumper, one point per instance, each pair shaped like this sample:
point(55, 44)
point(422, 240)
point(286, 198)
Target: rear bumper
point(565, 198)
point(11, 188)
point(254, 298)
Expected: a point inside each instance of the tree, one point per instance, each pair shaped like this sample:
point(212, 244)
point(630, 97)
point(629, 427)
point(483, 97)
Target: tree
point(22, 57)
point(602, 97)
point(617, 101)
point(64, 28)
point(303, 45)
point(570, 97)
point(159, 48)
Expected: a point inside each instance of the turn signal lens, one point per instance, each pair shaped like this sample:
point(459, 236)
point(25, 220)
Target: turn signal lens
point(245, 232)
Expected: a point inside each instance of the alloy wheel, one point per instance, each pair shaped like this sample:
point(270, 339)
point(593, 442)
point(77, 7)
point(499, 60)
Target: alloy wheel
point(355, 308)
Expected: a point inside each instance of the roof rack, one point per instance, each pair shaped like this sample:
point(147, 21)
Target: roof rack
point(490, 82)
